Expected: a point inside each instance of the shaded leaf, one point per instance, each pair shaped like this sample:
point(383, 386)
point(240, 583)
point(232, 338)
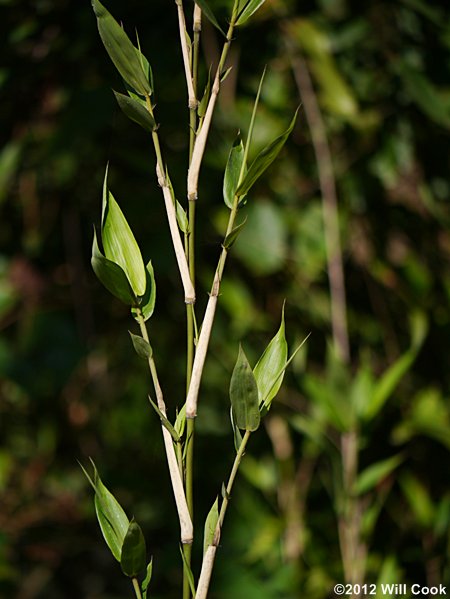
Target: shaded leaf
point(133, 556)
point(141, 346)
point(233, 235)
point(265, 159)
point(210, 525)
point(249, 9)
point(111, 275)
point(165, 421)
point(233, 171)
point(206, 9)
point(203, 104)
point(135, 111)
point(147, 305)
point(121, 50)
point(237, 437)
point(244, 395)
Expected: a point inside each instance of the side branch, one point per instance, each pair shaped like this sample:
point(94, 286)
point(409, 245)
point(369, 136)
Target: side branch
point(184, 49)
point(189, 291)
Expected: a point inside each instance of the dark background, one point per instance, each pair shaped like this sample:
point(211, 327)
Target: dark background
point(71, 386)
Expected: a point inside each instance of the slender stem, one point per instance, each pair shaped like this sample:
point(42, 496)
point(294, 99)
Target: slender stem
point(200, 142)
point(136, 587)
point(175, 474)
point(209, 557)
point(189, 292)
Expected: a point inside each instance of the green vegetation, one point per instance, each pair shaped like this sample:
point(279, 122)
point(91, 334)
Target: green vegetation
point(346, 234)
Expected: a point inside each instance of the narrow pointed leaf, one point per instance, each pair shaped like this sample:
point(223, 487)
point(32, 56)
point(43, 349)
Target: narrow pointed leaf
point(269, 370)
point(210, 525)
point(141, 346)
point(182, 218)
point(112, 519)
point(180, 421)
point(244, 395)
point(111, 275)
point(203, 104)
point(206, 9)
point(264, 160)
point(148, 576)
point(119, 244)
point(233, 235)
point(237, 437)
point(233, 171)
point(250, 8)
point(120, 49)
point(135, 111)
point(188, 571)
point(224, 74)
point(133, 556)
point(147, 305)
point(165, 421)
point(376, 473)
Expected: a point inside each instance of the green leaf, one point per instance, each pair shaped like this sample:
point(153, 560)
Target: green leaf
point(148, 576)
point(210, 525)
point(180, 421)
point(135, 111)
point(233, 171)
point(188, 571)
point(147, 305)
point(165, 421)
point(237, 437)
point(269, 370)
point(182, 218)
point(141, 346)
point(111, 275)
point(376, 473)
point(119, 243)
point(121, 50)
point(265, 159)
point(244, 394)
point(233, 235)
point(133, 556)
point(203, 104)
point(209, 14)
point(111, 517)
point(249, 9)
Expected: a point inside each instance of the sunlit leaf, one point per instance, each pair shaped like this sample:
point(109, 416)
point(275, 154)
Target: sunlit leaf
point(111, 275)
point(233, 171)
point(121, 50)
point(148, 576)
point(244, 395)
point(135, 111)
point(249, 9)
point(264, 159)
point(269, 370)
point(210, 525)
point(120, 245)
point(111, 517)
point(133, 556)
point(182, 218)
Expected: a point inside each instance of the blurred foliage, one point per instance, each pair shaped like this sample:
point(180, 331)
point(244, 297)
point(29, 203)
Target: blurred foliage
point(70, 386)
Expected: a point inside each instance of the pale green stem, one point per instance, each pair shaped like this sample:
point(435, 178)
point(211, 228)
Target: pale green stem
point(172, 462)
point(210, 554)
point(136, 587)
